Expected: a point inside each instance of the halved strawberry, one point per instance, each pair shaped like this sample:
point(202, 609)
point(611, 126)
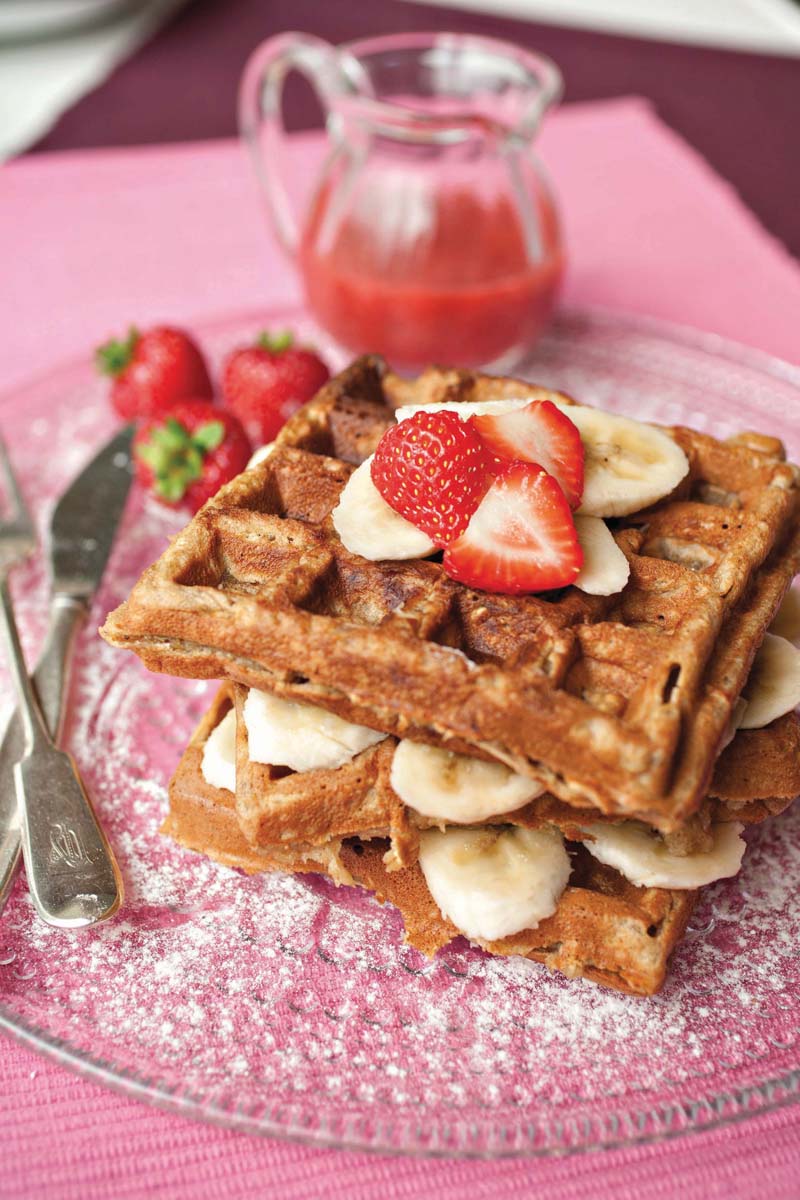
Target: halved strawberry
point(433, 470)
point(539, 433)
point(521, 538)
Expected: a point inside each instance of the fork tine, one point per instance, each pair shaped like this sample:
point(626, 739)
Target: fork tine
point(22, 515)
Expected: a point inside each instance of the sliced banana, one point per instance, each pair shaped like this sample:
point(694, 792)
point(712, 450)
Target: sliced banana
point(463, 409)
point(369, 527)
point(455, 788)
point(628, 464)
point(494, 882)
point(773, 687)
point(219, 755)
point(285, 733)
point(643, 858)
point(605, 568)
point(260, 454)
point(735, 722)
point(786, 622)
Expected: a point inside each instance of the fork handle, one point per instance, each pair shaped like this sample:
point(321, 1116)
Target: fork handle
point(34, 729)
point(50, 682)
point(51, 676)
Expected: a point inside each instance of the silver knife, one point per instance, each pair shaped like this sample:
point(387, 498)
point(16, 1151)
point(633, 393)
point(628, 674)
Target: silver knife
point(82, 531)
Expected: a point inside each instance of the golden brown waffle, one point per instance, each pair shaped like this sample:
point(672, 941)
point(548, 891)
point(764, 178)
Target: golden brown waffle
point(203, 818)
point(275, 805)
point(604, 928)
point(758, 775)
point(617, 703)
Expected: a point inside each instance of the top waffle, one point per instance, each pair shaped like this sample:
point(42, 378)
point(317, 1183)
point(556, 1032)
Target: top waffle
point(619, 703)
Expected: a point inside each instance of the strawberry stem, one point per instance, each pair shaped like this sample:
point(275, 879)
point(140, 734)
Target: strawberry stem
point(176, 456)
point(113, 357)
point(275, 343)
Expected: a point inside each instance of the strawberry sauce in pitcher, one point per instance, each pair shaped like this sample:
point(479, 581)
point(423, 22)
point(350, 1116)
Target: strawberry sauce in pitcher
point(431, 234)
point(464, 292)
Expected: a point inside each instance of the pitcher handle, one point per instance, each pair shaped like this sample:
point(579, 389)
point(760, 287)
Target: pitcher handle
point(261, 117)
point(551, 89)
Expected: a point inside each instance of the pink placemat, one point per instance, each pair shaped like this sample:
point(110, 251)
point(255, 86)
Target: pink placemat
point(89, 242)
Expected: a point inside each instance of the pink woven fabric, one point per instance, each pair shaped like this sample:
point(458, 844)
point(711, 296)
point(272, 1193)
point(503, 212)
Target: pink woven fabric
point(90, 241)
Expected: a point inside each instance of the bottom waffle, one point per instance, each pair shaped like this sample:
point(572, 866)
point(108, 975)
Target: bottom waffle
point(604, 928)
point(203, 818)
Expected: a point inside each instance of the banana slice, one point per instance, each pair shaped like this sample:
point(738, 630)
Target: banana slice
point(494, 882)
point(260, 454)
point(455, 788)
point(643, 858)
point(605, 568)
point(369, 527)
point(786, 622)
point(628, 465)
point(301, 736)
point(735, 722)
point(219, 755)
point(773, 687)
point(465, 411)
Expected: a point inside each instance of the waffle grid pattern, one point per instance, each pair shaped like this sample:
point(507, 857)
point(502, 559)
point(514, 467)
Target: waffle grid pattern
point(617, 703)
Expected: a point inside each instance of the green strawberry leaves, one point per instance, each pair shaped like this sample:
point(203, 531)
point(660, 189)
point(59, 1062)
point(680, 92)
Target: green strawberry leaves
point(176, 456)
point(275, 343)
point(113, 357)
point(209, 436)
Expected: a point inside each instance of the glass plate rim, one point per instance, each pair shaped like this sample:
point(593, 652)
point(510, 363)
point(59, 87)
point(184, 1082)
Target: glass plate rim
point(647, 1126)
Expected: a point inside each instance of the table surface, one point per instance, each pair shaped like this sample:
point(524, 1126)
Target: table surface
point(739, 110)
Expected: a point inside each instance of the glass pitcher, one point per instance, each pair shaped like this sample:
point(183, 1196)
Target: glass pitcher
point(430, 233)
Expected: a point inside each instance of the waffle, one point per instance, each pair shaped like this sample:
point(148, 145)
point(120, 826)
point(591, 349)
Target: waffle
point(619, 704)
point(756, 776)
point(605, 928)
point(203, 818)
point(275, 805)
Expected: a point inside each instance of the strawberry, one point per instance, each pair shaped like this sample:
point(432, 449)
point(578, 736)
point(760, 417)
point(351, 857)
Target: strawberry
point(539, 433)
point(433, 470)
point(268, 381)
point(152, 371)
point(522, 537)
point(185, 457)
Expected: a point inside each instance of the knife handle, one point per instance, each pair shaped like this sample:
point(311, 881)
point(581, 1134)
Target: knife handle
point(50, 681)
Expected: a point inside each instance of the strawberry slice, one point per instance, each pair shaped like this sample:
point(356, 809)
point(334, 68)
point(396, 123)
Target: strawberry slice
point(539, 433)
point(433, 470)
point(521, 538)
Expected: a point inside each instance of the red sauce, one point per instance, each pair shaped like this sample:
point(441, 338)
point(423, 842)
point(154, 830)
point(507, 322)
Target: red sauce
point(465, 292)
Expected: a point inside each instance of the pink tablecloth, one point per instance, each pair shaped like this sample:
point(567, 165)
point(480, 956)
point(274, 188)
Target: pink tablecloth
point(90, 241)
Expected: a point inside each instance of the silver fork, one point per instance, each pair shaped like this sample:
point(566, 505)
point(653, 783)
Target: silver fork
point(72, 874)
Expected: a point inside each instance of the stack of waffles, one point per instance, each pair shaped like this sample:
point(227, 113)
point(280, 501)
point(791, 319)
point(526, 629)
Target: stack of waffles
point(390, 727)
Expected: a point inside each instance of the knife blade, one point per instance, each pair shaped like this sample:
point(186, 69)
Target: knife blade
point(82, 531)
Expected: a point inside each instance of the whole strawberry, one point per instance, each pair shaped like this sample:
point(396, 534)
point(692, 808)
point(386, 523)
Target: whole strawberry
point(432, 469)
point(268, 381)
point(153, 370)
point(185, 457)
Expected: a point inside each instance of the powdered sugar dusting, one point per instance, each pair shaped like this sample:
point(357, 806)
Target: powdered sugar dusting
point(289, 1005)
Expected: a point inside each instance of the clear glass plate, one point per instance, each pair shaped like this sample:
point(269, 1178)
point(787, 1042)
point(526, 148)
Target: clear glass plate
point(287, 1007)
